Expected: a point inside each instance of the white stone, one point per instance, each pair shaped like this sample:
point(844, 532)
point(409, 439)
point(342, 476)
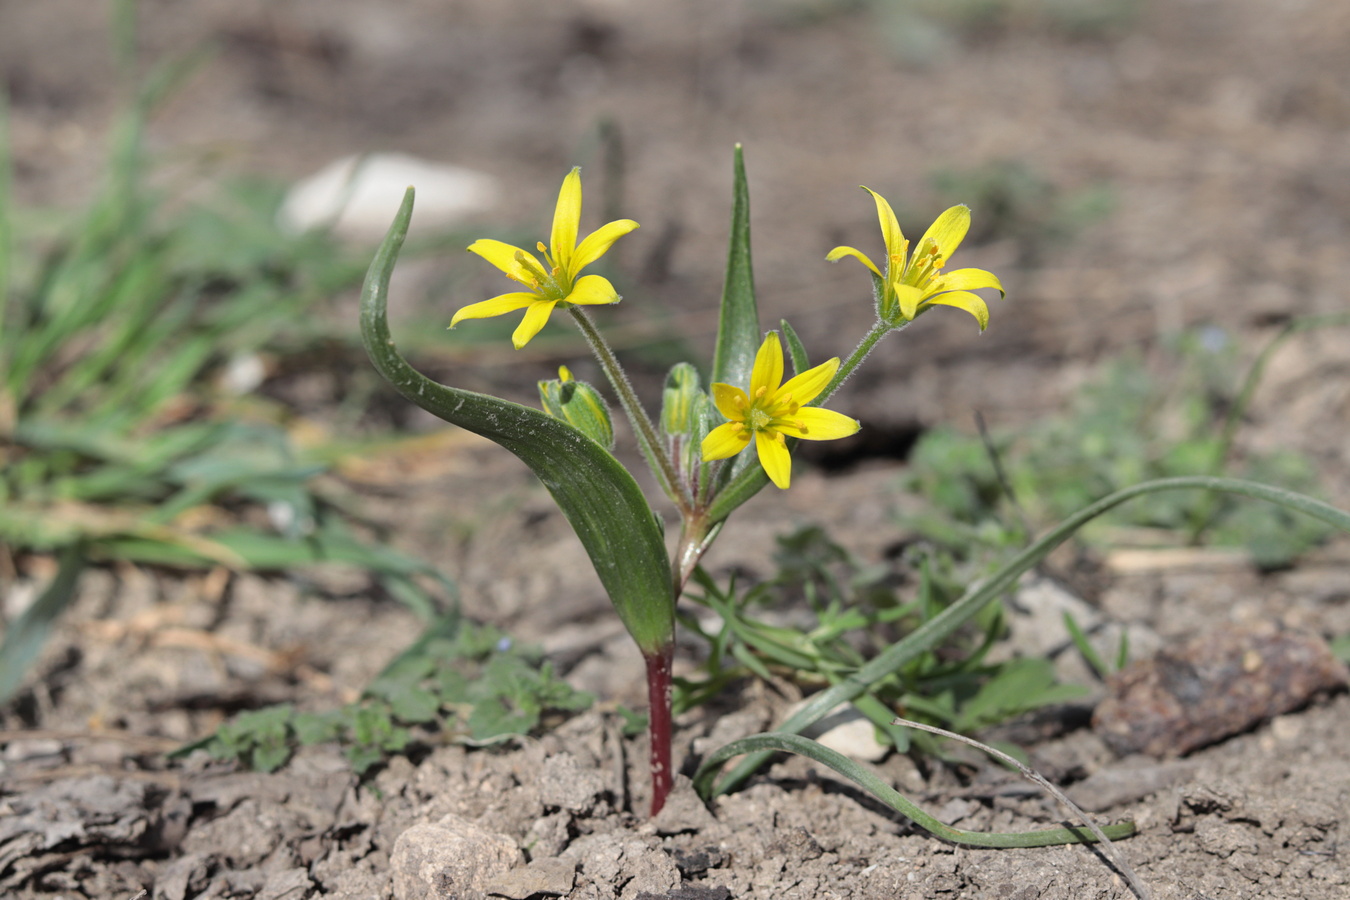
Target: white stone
point(847, 731)
point(357, 196)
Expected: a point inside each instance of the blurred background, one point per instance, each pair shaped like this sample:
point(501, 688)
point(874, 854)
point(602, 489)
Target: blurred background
point(1136, 167)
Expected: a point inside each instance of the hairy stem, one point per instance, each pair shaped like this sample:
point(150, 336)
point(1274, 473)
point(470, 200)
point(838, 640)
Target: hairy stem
point(879, 330)
point(653, 450)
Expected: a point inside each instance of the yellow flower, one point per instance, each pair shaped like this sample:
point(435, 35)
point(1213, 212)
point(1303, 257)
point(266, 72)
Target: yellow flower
point(911, 284)
point(773, 411)
point(556, 280)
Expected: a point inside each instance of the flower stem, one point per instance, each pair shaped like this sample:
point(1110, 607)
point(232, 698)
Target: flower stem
point(653, 450)
point(659, 724)
point(879, 330)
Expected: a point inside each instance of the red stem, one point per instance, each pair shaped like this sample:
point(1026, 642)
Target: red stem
point(659, 724)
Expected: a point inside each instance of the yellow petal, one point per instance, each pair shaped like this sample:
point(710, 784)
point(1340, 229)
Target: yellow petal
point(774, 457)
point(497, 306)
point(806, 386)
point(536, 317)
point(768, 370)
point(909, 298)
point(730, 401)
point(839, 253)
point(566, 218)
point(815, 424)
point(597, 243)
point(967, 280)
point(948, 231)
point(725, 440)
point(890, 228)
point(503, 256)
point(971, 303)
point(592, 290)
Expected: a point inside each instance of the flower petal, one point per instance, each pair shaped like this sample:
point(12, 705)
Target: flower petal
point(768, 370)
point(971, 303)
point(592, 290)
point(497, 306)
point(730, 401)
point(967, 280)
point(724, 441)
point(566, 218)
point(948, 231)
point(597, 243)
point(839, 253)
point(536, 317)
point(503, 256)
point(909, 297)
point(806, 386)
point(774, 457)
point(816, 424)
point(890, 231)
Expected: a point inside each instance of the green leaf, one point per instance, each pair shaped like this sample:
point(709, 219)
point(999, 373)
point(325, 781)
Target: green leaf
point(796, 349)
point(985, 591)
point(25, 638)
point(869, 781)
point(738, 334)
point(597, 495)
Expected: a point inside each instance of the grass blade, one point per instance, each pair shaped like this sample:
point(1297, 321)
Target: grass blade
point(25, 638)
point(868, 780)
point(978, 595)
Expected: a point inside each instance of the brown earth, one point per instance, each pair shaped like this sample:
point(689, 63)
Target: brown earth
point(1222, 130)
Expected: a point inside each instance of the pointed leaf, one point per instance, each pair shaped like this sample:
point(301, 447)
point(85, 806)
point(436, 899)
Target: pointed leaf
point(738, 334)
point(796, 349)
point(596, 494)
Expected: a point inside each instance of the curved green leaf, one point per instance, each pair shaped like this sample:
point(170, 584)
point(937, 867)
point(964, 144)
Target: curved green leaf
point(869, 781)
point(596, 494)
point(975, 597)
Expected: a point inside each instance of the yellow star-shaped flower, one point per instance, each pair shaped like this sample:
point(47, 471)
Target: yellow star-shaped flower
point(774, 411)
point(911, 284)
point(555, 281)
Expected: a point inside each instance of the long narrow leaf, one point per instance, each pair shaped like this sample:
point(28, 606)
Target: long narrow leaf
point(977, 596)
point(738, 335)
point(868, 780)
point(25, 638)
point(596, 494)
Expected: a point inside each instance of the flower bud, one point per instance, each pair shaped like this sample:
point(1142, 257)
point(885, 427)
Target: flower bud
point(579, 405)
point(684, 406)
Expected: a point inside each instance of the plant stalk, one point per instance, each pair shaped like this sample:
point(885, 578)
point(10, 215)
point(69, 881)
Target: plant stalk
point(653, 449)
point(659, 723)
point(879, 330)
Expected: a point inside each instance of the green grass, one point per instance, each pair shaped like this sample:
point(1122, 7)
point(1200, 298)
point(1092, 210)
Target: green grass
point(1125, 426)
point(120, 440)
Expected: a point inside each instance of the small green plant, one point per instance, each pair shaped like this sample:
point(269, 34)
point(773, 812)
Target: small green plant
point(697, 455)
point(1123, 428)
point(824, 615)
point(462, 682)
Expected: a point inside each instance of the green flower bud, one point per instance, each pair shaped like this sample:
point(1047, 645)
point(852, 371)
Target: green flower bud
point(579, 405)
point(684, 406)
